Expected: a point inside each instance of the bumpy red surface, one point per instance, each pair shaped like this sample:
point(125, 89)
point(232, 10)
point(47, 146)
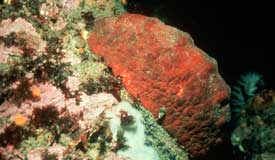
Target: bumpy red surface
point(161, 66)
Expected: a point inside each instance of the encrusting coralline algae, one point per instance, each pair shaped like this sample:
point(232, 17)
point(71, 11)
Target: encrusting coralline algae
point(57, 99)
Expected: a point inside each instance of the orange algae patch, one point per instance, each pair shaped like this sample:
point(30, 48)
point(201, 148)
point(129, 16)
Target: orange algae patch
point(20, 120)
point(81, 50)
point(35, 91)
point(124, 2)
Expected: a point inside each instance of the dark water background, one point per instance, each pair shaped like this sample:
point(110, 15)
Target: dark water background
point(239, 35)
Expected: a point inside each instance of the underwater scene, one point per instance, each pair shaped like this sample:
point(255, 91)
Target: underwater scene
point(136, 80)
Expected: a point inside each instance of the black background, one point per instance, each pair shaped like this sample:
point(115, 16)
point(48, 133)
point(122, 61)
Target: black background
point(238, 34)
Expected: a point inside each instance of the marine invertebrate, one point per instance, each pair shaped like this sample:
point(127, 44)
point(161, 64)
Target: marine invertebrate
point(26, 31)
point(126, 119)
point(13, 135)
point(26, 57)
point(66, 119)
point(246, 87)
point(45, 116)
point(253, 135)
point(81, 50)
point(121, 115)
point(161, 66)
point(20, 120)
point(49, 9)
point(124, 2)
point(242, 93)
point(35, 91)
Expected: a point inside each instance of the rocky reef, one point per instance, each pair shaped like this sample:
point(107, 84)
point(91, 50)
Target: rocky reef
point(82, 79)
point(58, 100)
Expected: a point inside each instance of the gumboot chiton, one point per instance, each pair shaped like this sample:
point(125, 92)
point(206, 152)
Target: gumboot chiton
point(161, 66)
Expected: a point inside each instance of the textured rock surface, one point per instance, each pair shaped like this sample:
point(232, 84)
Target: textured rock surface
point(161, 66)
point(24, 31)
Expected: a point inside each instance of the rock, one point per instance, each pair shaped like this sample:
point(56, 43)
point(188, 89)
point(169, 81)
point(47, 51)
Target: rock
point(161, 66)
point(25, 31)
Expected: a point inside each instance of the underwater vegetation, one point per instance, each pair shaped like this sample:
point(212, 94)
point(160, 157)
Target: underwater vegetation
point(83, 79)
point(253, 118)
point(246, 88)
point(58, 100)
